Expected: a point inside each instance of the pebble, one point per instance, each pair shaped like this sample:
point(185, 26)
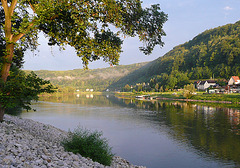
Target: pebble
point(30, 144)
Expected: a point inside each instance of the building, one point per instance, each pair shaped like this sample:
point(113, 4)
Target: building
point(234, 80)
point(203, 85)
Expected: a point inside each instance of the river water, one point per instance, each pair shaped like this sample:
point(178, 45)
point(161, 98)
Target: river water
point(151, 133)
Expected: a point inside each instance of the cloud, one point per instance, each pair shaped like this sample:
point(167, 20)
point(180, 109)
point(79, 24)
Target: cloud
point(227, 8)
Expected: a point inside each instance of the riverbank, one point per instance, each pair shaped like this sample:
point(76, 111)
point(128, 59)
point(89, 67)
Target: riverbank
point(30, 144)
point(232, 98)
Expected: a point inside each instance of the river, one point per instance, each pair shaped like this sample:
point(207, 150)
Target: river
point(150, 133)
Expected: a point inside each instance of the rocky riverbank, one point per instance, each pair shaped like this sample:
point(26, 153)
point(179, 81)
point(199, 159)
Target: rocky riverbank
point(25, 143)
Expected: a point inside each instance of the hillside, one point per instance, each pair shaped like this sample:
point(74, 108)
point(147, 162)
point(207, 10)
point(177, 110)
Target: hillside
point(97, 79)
point(213, 53)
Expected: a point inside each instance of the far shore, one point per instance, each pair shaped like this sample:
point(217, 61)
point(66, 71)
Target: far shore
point(193, 100)
point(230, 99)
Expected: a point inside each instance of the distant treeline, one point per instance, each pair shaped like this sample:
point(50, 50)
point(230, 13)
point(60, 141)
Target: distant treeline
point(214, 53)
point(80, 79)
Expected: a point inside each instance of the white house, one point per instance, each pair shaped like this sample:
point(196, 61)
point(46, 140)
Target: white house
point(203, 85)
point(234, 80)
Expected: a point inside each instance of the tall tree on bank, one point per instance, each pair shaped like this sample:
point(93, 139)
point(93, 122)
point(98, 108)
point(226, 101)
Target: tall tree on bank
point(20, 88)
point(82, 24)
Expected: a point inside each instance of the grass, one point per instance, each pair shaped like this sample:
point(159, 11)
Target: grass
point(89, 144)
point(234, 97)
point(171, 95)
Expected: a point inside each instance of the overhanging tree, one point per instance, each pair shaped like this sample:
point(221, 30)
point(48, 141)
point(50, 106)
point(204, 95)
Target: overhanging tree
point(20, 88)
point(92, 27)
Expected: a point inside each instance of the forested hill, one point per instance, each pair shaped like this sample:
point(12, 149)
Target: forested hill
point(215, 52)
point(97, 79)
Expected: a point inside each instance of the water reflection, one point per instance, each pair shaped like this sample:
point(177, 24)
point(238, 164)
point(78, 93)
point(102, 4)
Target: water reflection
point(212, 130)
point(212, 133)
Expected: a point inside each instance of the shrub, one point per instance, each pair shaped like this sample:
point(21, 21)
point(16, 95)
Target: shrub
point(189, 90)
point(89, 144)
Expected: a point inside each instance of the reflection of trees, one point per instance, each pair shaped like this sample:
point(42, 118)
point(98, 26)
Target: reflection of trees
point(83, 99)
point(208, 130)
point(211, 130)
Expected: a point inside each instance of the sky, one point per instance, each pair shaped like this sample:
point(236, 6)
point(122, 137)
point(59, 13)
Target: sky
point(186, 19)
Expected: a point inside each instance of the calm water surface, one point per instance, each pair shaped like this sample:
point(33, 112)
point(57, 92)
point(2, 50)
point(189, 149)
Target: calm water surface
point(154, 134)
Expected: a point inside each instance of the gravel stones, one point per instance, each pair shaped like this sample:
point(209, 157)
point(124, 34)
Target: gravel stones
point(30, 144)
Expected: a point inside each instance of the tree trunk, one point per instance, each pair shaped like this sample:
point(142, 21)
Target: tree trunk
point(5, 71)
point(7, 61)
point(2, 110)
point(10, 42)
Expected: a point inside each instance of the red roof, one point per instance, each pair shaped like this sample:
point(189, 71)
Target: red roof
point(235, 78)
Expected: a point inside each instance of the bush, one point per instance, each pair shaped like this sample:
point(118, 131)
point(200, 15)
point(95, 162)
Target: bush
point(89, 144)
point(189, 90)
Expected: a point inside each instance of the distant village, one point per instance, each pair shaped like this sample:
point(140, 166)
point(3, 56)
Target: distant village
point(211, 86)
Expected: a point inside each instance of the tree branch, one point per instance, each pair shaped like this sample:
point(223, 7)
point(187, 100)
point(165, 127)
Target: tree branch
point(20, 35)
point(32, 7)
point(5, 6)
point(12, 7)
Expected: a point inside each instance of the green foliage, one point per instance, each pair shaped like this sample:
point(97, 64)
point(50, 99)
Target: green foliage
point(234, 98)
point(221, 82)
point(96, 79)
point(156, 87)
point(164, 81)
point(127, 88)
point(189, 90)
point(89, 144)
point(21, 89)
point(139, 87)
point(85, 25)
point(215, 52)
point(161, 89)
